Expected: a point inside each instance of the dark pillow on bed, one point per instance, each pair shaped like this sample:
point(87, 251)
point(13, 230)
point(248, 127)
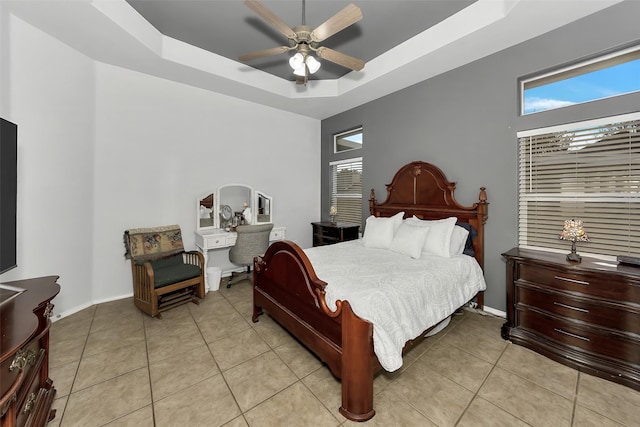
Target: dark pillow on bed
point(473, 233)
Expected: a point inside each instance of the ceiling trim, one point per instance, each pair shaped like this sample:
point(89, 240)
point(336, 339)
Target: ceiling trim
point(113, 32)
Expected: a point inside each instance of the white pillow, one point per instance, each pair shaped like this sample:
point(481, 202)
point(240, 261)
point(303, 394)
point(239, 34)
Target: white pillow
point(458, 240)
point(378, 232)
point(438, 240)
point(409, 240)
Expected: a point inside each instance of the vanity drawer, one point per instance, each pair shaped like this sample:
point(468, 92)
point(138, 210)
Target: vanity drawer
point(276, 235)
point(567, 333)
point(215, 241)
point(581, 282)
point(603, 313)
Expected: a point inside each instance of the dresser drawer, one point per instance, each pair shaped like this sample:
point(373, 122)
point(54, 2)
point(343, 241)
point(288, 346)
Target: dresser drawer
point(591, 284)
point(27, 397)
point(570, 334)
point(607, 314)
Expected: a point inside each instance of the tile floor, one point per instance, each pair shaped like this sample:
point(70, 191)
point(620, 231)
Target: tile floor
point(209, 365)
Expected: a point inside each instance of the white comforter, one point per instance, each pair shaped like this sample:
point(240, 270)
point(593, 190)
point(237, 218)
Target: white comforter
point(399, 295)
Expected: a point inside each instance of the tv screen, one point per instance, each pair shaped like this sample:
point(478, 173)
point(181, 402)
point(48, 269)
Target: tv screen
point(8, 194)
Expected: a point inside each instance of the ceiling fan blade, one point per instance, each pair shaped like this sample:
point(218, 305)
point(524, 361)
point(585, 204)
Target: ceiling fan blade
point(270, 18)
point(338, 22)
point(262, 53)
point(340, 58)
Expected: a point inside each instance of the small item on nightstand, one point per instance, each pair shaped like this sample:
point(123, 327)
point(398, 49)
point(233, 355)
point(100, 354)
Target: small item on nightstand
point(629, 260)
point(333, 211)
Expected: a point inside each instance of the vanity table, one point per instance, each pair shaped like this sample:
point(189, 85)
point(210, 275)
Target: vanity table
point(218, 212)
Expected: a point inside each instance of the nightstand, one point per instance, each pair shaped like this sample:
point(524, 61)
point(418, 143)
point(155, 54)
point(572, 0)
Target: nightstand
point(327, 233)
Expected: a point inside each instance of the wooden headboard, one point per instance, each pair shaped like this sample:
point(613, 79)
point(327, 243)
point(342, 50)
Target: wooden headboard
point(422, 189)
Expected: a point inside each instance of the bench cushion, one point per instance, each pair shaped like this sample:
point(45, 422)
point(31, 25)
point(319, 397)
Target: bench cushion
point(167, 273)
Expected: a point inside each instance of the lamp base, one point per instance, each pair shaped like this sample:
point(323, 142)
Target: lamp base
point(574, 257)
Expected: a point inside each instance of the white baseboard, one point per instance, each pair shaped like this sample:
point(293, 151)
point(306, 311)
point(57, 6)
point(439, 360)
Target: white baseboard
point(81, 307)
point(495, 312)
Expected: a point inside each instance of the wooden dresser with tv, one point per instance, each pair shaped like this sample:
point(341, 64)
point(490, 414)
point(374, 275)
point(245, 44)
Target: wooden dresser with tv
point(26, 391)
point(585, 315)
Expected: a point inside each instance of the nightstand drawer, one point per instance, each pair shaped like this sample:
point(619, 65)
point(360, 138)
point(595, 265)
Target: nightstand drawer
point(601, 342)
point(603, 313)
point(582, 282)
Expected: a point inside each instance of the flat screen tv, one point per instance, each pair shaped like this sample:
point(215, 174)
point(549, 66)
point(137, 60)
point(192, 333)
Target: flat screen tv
point(8, 194)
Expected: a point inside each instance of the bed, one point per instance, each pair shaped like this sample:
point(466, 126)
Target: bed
point(287, 287)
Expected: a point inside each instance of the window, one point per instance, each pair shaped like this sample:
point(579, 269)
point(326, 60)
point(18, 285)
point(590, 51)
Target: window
point(602, 77)
point(346, 189)
point(588, 171)
point(347, 141)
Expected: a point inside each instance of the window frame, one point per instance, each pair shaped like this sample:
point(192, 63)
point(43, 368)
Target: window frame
point(333, 193)
point(595, 63)
point(337, 136)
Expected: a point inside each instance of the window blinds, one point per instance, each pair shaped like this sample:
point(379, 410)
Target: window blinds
point(588, 171)
point(346, 189)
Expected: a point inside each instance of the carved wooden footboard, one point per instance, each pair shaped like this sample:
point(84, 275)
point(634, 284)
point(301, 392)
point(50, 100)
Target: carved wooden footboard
point(286, 285)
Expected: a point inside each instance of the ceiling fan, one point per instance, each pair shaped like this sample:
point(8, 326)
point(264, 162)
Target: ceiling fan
point(305, 40)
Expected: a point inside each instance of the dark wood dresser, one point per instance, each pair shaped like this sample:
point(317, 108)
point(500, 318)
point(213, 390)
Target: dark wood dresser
point(328, 233)
point(585, 315)
point(26, 391)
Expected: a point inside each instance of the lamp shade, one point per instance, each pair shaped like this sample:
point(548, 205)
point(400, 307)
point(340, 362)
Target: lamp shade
point(574, 231)
point(296, 61)
point(313, 64)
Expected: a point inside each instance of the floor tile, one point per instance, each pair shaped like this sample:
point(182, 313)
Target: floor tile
point(258, 379)
point(109, 364)
point(298, 358)
point(584, 417)
point(64, 375)
point(615, 401)
point(459, 366)
point(433, 395)
point(294, 406)
point(484, 414)
point(143, 417)
point(391, 411)
point(176, 342)
point(233, 350)
point(475, 341)
point(108, 401)
point(112, 338)
point(207, 403)
point(181, 371)
point(540, 369)
point(327, 388)
point(525, 400)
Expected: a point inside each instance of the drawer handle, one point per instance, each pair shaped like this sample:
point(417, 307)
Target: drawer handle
point(570, 307)
point(29, 405)
point(566, 279)
point(580, 337)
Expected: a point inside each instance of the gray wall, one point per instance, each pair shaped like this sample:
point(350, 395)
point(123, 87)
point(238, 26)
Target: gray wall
point(465, 122)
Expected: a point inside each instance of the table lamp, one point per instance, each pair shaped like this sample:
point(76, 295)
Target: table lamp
point(574, 231)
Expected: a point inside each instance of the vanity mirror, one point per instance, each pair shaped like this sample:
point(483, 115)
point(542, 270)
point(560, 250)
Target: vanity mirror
point(205, 212)
point(263, 206)
point(232, 205)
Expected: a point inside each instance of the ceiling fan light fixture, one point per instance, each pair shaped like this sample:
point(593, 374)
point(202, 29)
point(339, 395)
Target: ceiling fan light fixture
point(312, 63)
point(300, 71)
point(296, 61)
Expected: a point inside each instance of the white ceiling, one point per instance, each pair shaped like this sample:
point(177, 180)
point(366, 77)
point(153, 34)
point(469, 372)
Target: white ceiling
point(114, 32)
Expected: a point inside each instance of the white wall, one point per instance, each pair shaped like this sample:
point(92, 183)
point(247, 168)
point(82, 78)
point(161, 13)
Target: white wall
point(50, 93)
point(160, 145)
point(102, 149)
